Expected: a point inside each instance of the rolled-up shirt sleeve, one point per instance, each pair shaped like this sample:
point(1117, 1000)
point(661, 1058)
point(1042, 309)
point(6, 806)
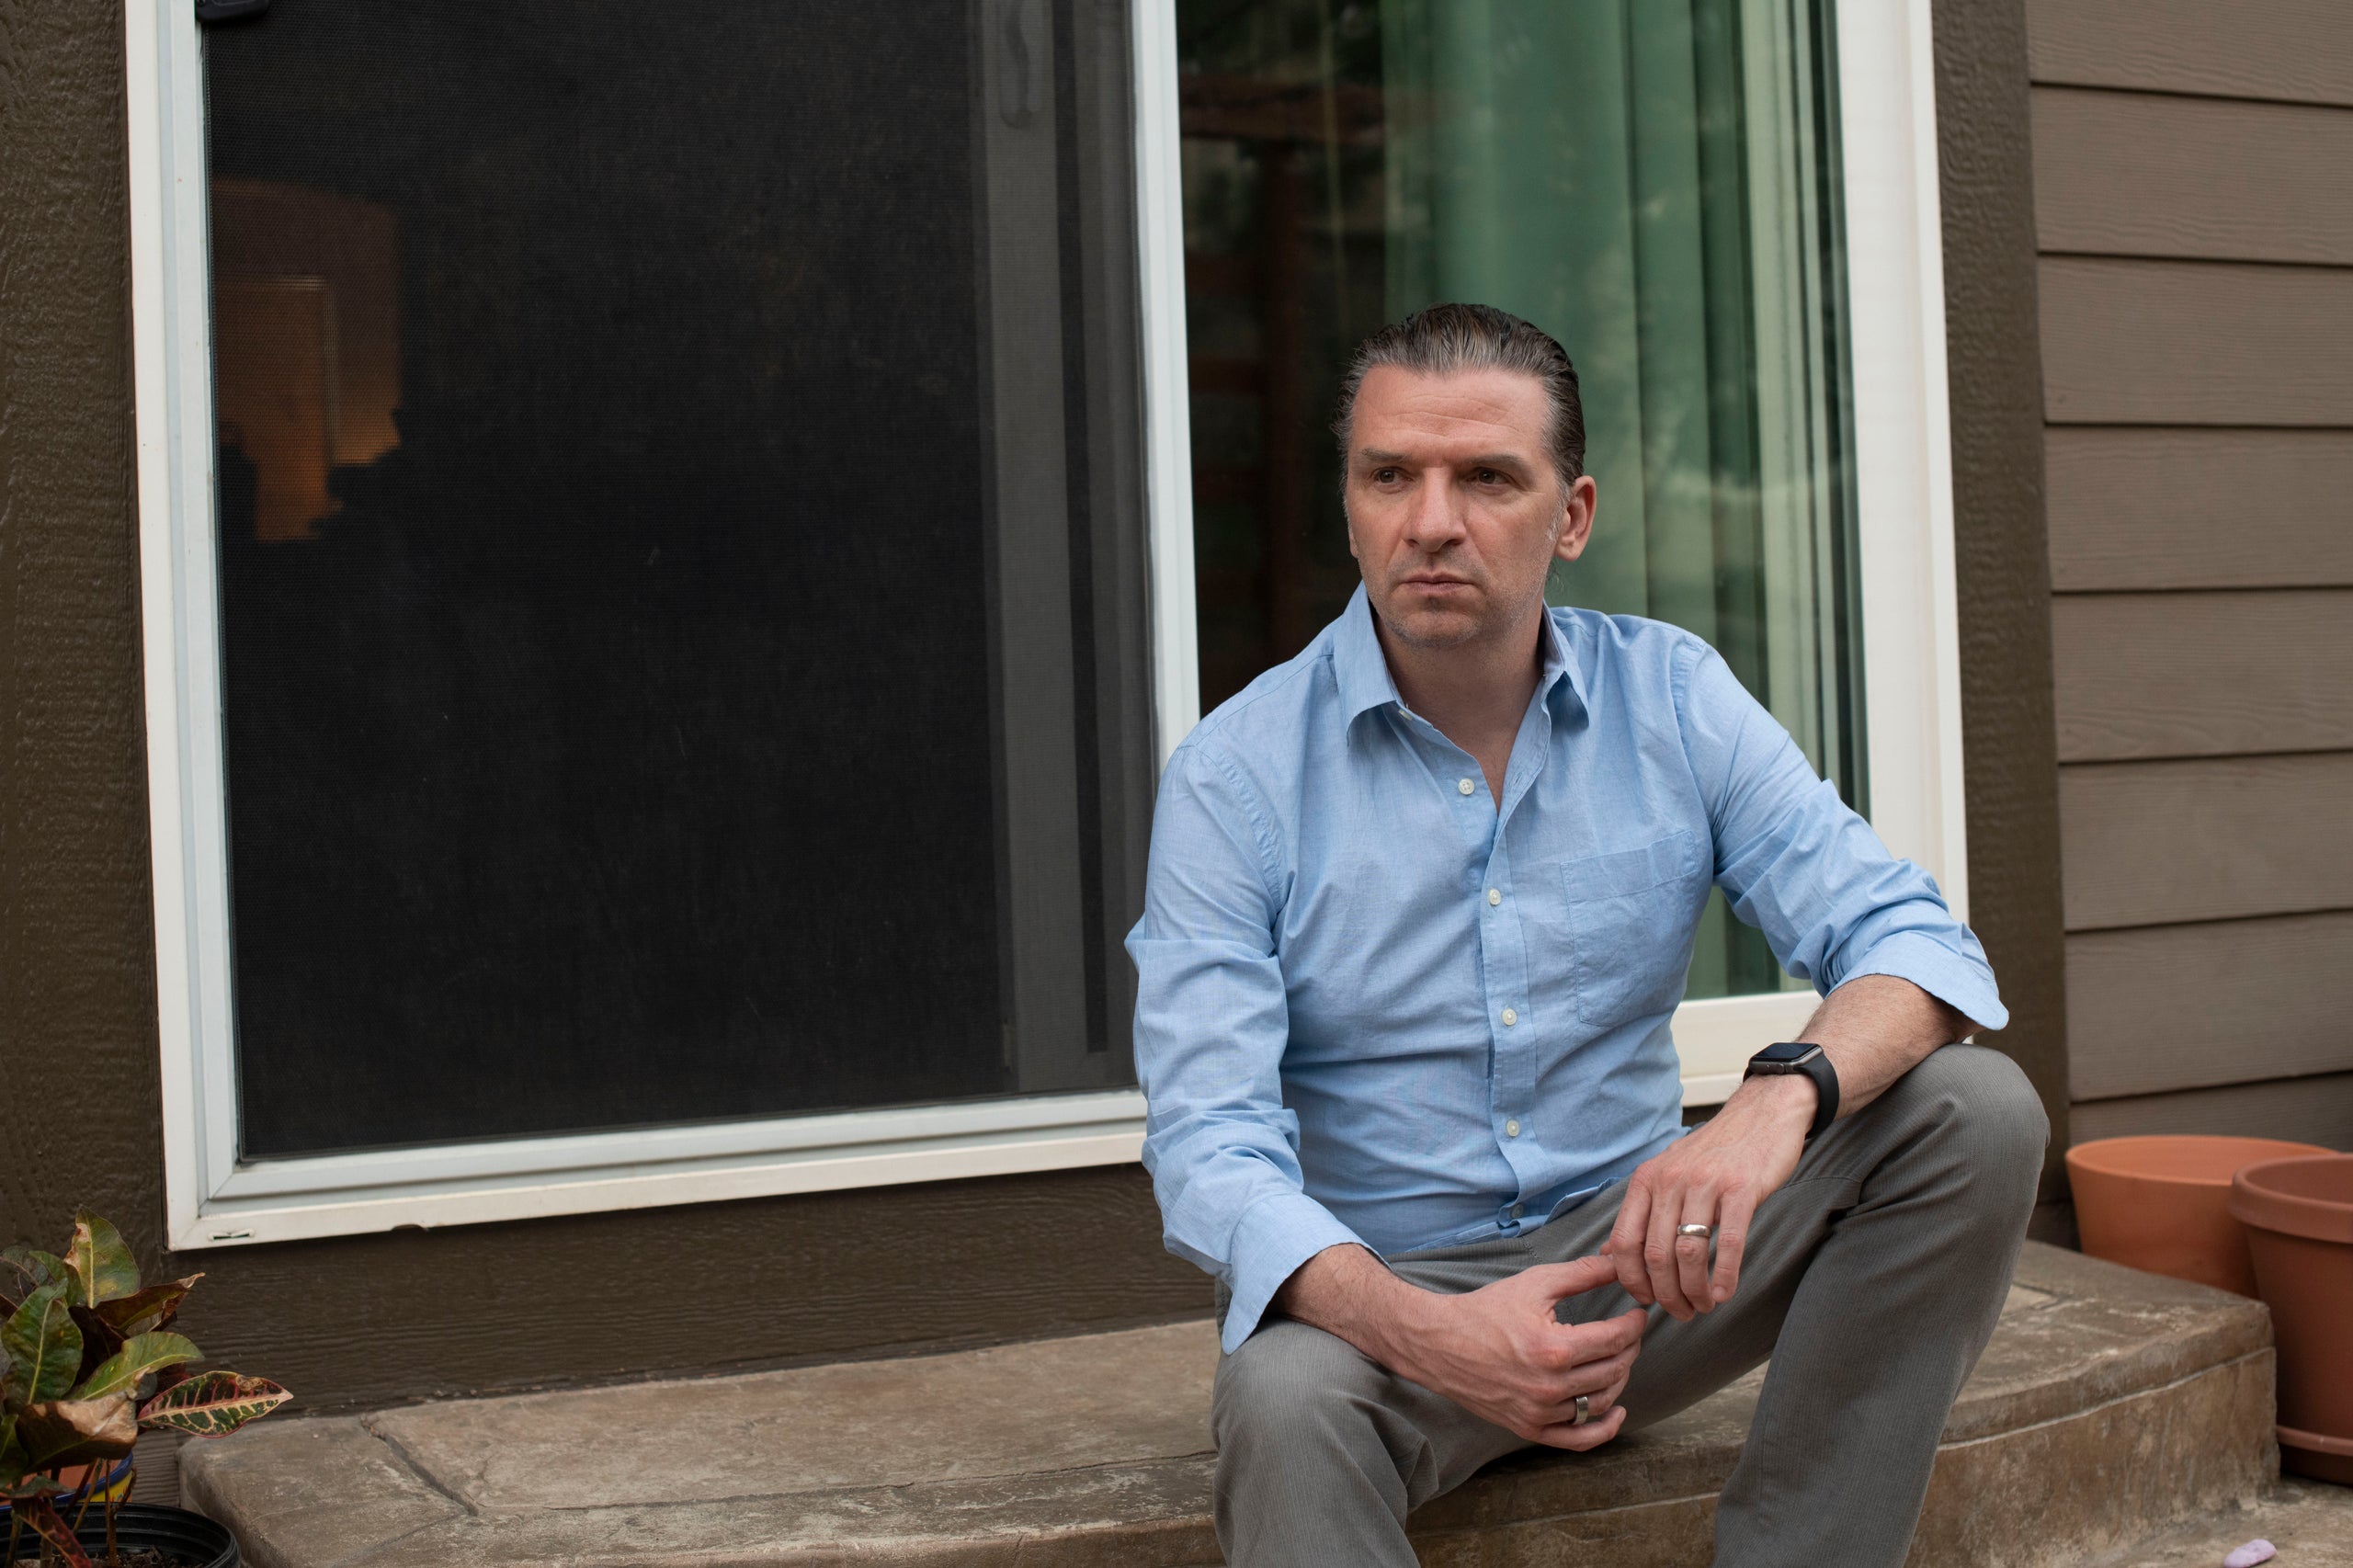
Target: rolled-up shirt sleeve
point(1210, 1026)
point(1803, 869)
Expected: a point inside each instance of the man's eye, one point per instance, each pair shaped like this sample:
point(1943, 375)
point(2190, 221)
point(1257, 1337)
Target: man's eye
point(1384, 476)
point(1487, 476)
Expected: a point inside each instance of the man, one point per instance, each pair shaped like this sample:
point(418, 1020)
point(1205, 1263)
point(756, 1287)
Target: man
point(1420, 906)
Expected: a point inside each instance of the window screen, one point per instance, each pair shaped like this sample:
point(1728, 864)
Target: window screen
point(679, 547)
point(1654, 183)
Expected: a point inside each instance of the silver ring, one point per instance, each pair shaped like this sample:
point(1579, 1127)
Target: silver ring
point(1695, 1230)
point(1583, 1415)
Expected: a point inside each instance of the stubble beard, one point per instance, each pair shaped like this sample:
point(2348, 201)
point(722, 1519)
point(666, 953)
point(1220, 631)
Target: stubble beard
point(1437, 628)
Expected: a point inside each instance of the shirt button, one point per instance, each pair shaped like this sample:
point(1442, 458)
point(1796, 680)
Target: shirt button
point(1464, 786)
point(1511, 1128)
point(1494, 897)
point(1515, 1211)
point(1510, 1017)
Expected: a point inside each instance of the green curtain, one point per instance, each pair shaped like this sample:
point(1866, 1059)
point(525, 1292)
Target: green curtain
point(1654, 183)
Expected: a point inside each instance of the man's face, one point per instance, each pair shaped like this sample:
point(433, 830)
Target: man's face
point(1455, 512)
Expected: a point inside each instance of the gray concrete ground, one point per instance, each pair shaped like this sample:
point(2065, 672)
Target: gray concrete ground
point(2309, 1522)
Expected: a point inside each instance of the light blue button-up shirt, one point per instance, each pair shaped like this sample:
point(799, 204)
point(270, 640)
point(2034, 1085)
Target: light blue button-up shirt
point(1374, 1007)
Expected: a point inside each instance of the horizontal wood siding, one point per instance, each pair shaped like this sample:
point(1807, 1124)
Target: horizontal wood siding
point(2163, 843)
point(2180, 1007)
point(2193, 165)
point(2188, 508)
point(2307, 1111)
point(2301, 50)
point(2195, 343)
point(2203, 674)
point(2135, 174)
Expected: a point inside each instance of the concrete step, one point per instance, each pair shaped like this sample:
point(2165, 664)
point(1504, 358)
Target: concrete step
point(2109, 1406)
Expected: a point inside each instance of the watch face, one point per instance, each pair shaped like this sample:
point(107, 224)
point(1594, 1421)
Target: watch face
point(1786, 1051)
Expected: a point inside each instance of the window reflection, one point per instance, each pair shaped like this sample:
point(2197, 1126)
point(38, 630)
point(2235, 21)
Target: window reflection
point(1654, 182)
point(306, 342)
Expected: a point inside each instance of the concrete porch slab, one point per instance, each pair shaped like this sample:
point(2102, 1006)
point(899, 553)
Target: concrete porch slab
point(2111, 1405)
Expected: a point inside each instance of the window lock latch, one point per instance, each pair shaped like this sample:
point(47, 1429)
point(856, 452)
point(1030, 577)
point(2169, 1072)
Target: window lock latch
point(228, 10)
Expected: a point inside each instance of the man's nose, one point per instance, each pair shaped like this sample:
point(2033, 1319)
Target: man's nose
point(1438, 513)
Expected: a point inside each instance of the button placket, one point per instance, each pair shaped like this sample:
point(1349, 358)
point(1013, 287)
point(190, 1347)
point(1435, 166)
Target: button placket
point(1505, 972)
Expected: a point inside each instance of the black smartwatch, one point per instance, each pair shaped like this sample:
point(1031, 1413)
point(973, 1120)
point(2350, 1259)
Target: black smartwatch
point(1786, 1057)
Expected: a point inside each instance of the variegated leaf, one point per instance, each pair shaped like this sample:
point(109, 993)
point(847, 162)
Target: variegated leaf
point(48, 1524)
point(101, 1260)
point(78, 1431)
point(212, 1404)
point(149, 1309)
point(98, 1340)
point(44, 1348)
point(140, 1354)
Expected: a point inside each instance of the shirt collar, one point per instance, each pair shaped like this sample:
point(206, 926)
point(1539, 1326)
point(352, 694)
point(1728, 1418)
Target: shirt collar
point(1362, 670)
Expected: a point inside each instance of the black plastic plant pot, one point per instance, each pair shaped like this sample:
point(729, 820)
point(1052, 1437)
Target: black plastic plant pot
point(188, 1541)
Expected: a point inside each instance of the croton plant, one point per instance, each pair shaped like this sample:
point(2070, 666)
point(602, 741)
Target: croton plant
point(87, 1362)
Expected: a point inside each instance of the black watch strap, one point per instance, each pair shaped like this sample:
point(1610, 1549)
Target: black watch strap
point(1789, 1056)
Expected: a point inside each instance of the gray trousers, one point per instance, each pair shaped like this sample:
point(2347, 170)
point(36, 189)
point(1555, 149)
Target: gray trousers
point(1872, 1282)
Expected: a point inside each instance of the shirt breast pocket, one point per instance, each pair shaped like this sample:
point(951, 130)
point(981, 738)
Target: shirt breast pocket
point(1631, 915)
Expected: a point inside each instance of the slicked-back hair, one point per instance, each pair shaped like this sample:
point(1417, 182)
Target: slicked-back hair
point(1446, 340)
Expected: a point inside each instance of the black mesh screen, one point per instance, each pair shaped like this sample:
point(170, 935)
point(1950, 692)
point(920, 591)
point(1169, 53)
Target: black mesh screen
point(606, 573)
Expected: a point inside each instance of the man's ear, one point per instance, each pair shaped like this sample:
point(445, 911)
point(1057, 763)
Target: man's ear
point(1576, 520)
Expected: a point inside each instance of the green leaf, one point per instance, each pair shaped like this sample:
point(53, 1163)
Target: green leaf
point(41, 1514)
point(212, 1404)
point(38, 1267)
point(44, 1348)
point(18, 1480)
point(140, 1354)
point(101, 1260)
point(146, 1310)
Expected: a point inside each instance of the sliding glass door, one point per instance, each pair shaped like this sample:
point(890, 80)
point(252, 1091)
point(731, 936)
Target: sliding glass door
point(1654, 182)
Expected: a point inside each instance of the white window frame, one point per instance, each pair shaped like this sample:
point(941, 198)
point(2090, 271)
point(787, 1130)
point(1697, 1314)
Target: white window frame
point(1910, 638)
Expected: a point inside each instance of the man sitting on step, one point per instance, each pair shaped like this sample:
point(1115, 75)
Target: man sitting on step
point(1419, 910)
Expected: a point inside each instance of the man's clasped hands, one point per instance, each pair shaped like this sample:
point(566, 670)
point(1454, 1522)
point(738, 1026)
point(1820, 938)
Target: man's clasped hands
point(1500, 1352)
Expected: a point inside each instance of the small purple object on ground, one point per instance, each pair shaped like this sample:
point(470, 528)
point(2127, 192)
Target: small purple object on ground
point(2250, 1555)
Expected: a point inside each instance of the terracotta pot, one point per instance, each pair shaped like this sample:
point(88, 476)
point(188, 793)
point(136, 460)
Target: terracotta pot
point(2299, 1219)
point(2163, 1203)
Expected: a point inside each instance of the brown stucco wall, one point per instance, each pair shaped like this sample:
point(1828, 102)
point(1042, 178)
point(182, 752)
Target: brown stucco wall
point(1986, 169)
point(380, 1318)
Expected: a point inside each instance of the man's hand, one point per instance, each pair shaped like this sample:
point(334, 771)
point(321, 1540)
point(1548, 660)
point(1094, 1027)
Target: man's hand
point(1500, 1354)
point(1715, 1176)
point(1496, 1351)
point(1874, 1029)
